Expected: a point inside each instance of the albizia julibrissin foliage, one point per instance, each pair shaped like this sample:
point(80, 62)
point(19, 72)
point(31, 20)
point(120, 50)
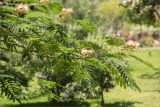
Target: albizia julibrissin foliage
point(35, 34)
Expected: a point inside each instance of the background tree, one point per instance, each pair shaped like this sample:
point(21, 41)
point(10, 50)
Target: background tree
point(145, 11)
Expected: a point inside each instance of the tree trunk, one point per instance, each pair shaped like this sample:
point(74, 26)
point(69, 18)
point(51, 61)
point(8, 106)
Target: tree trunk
point(102, 98)
point(101, 90)
point(64, 2)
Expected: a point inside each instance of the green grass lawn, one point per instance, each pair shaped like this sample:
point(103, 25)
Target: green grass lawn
point(146, 78)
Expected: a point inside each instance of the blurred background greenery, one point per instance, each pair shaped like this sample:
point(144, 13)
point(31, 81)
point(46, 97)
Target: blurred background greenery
point(138, 21)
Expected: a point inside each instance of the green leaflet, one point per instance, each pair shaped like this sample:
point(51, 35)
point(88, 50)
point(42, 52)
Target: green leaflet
point(37, 15)
point(7, 9)
point(55, 7)
point(116, 41)
point(86, 25)
point(48, 84)
point(84, 44)
point(23, 1)
point(143, 61)
point(11, 83)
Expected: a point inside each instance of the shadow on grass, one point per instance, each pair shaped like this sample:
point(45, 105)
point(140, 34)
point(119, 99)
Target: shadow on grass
point(152, 90)
point(75, 104)
point(47, 104)
point(122, 104)
point(156, 75)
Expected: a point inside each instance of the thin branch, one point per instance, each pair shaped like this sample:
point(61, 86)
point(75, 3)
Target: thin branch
point(157, 13)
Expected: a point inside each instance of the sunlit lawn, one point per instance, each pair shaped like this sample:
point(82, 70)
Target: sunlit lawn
point(146, 78)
